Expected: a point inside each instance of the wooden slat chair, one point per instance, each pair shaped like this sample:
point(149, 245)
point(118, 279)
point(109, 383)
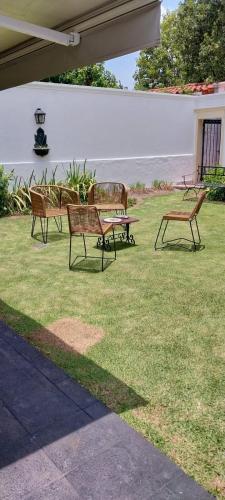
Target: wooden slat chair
point(84, 220)
point(108, 196)
point(50, 202)
point(183, 217)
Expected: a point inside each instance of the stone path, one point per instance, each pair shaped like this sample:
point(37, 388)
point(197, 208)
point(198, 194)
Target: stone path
point(57, 442)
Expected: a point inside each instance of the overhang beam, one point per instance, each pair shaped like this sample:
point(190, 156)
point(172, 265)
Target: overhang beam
point(36, 31)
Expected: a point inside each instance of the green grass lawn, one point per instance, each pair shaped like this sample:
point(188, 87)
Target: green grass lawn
point(161, 363)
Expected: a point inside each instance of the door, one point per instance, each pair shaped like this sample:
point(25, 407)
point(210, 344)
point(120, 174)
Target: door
point(211, 137)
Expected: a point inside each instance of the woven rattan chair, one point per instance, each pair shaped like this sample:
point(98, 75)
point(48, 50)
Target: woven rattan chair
point(189, 217)
point(108, 196)
point(50, 202)
point(84, 220)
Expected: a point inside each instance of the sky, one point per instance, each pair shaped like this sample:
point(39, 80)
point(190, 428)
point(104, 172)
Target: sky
point(125, 66)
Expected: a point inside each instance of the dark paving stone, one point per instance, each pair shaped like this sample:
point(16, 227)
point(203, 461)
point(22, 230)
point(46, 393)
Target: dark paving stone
point(78, 394)
point(97, 410)
point(79, 442)
point(118, 474)
point(28, 471)
point(36, 407)
point(49, 369)
point(10, 430)
point(184, 487)
point(59, 490)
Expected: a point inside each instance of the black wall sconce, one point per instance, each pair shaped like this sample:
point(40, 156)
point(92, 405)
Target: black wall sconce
point(40, 147)
point(39, 116)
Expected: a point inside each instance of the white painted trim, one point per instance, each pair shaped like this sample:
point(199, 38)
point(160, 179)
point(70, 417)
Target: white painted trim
point(78, 160)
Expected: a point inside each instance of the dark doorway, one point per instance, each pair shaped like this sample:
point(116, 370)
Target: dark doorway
point(211, 136)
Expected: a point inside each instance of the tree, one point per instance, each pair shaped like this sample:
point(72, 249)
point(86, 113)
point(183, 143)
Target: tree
point(94, 76)
point(192, 47)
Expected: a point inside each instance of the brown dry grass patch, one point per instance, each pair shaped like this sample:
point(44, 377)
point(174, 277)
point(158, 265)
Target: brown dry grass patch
point(70, 335)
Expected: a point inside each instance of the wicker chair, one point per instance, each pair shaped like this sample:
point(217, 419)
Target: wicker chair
point(108, 196)
point(50, 202)
point(84, 220)
point(183, 217)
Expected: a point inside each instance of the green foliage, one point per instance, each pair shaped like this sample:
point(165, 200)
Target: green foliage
point(131, 202)
point(137, 186)
point(4, 184)
point(80, 179)
point(92, 76)
point(192, 47)
point(216, 177)
point(162, 185)
point(160, 67)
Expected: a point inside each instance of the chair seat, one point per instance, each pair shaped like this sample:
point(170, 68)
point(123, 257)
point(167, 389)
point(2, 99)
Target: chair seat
point(106, 227)
point(56, 212)
point(109, 206)
point(174, 215)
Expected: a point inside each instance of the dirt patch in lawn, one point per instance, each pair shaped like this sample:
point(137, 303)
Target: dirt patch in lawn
point(70, 335)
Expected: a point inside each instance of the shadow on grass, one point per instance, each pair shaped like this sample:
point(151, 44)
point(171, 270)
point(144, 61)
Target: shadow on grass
point(52, 236)
point(182, 247)
point(37, 397)
point(90, 264)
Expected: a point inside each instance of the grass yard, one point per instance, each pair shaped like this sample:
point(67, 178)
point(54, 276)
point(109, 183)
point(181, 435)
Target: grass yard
point(161, 361)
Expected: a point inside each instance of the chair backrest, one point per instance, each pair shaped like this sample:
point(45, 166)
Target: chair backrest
point(198, 205)
point(84, 219)
point(108, 192)
point(54, 196)
point(37, 204)
point(51, 194)
point(68, 196)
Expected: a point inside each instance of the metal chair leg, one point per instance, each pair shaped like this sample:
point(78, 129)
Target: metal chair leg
point(103, 248)
point(157, 237)
point(33, 225)
point(164, 232)
point(70, 250)
point(44, 230)
point(199, 237)
point(114, 242)
point(192, 232)
point(85, 248)
point(58, 223)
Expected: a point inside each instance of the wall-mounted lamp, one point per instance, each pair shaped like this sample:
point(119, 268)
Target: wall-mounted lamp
point(39, 116)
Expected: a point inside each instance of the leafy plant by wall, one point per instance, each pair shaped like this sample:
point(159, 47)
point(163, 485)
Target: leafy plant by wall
point(216, 177)
point(4, 195)
point(80, 179)
point(15, 191)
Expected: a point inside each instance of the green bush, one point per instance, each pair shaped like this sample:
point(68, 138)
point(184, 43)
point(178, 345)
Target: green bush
point(4, 195)
point(137, 186)
point(216, 177)
point(80, 179)
point(162, 185)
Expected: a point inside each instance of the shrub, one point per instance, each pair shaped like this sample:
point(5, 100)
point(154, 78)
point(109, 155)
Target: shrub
point(80, 179)
point(4, 196)
point(138, 186)
point(162, 185)
point(131, 202)
point(216, 177)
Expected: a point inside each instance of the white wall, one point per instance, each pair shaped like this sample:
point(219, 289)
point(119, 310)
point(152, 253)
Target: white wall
point(127, 136)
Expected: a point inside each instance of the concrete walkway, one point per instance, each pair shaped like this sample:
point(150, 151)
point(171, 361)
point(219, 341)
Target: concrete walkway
point(57, 442)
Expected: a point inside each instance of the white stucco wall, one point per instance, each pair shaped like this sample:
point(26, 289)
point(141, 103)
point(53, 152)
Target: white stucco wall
point(127, 136)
